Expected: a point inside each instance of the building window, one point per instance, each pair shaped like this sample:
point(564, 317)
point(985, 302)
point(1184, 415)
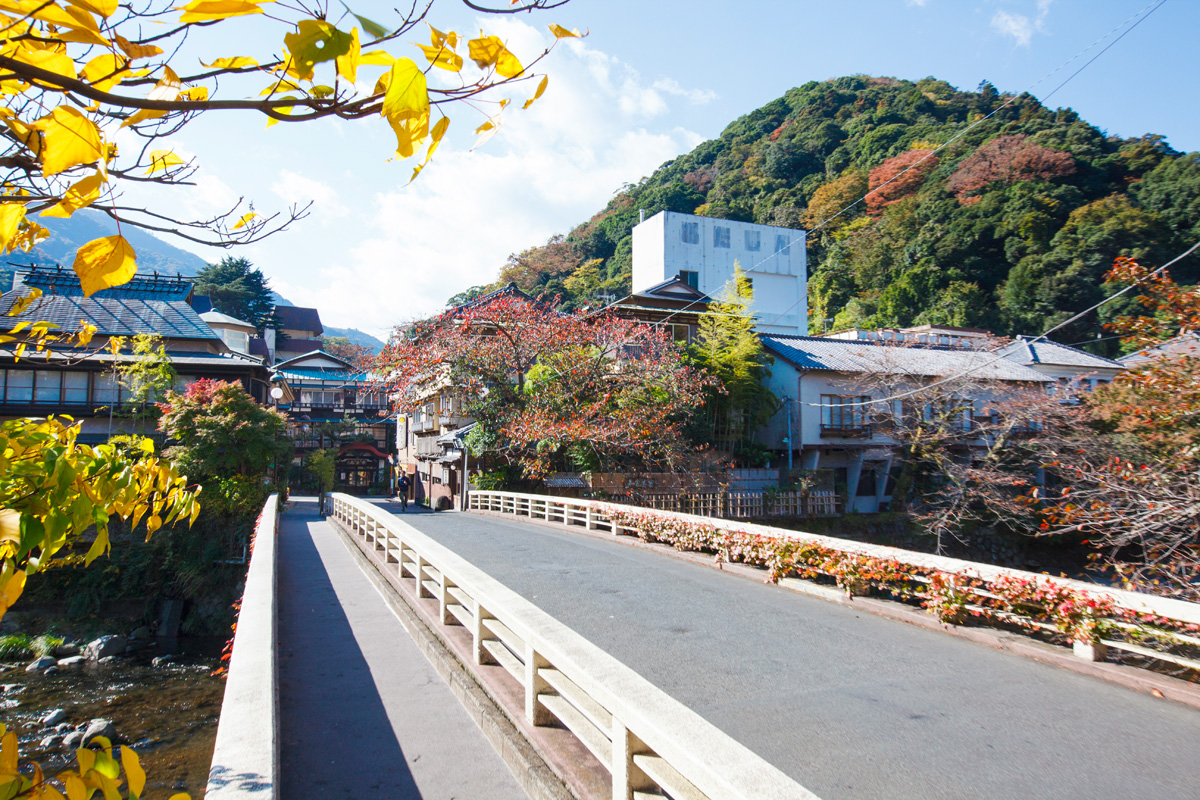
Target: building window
point(20, 386)
point(75, 388)
point(105, 390)
point(692, 279)
point(48, 387)
point(681, 333)
point(753, 241)
point(721, 237)
point(689, 232)
point(845, 416)
point(781, 243)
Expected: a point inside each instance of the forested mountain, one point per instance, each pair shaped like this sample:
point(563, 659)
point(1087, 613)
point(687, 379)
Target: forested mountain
point(1011, 227)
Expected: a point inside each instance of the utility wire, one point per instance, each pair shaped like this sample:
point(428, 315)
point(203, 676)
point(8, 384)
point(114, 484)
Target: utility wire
point(1144, 13)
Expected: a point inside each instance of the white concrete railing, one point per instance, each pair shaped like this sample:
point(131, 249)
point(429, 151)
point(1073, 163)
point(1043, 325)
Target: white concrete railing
point(245, 763)
point(593, 515)
point(648, 741)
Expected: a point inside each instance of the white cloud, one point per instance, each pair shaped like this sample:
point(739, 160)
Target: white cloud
point(1021, 27)
point(296, 189)
point(696, 96)
point(548, 169)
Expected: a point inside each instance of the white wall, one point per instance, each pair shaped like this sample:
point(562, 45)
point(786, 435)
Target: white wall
point(780, 278)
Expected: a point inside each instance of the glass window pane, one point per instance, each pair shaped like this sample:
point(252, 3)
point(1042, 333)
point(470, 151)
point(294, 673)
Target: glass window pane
point(781, 243)
point(720, 237)
point(20, 386)
point(689, 232)
point(49, 386)
point(105, 390)
point(753, 241)
point(75, 386)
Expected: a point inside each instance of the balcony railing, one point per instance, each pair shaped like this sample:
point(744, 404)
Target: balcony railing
point(846, 431)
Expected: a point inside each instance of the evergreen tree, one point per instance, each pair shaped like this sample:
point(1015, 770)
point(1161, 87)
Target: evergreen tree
point(728, 349)
point(237, 288)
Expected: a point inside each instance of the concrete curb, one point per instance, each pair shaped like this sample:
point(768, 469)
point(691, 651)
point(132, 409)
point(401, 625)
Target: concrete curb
point(1139, 680)
point(529, 763)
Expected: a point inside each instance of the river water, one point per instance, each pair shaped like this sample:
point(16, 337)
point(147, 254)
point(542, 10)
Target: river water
point(167, 713)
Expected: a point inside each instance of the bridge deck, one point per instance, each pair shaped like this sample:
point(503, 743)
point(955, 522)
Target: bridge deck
point(849, 704)
point(362, 712)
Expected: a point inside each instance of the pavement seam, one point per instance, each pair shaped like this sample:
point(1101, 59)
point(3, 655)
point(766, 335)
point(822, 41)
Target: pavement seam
point(522, 758)
point(1161, 686)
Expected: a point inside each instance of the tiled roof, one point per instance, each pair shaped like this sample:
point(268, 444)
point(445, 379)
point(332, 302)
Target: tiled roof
point(1024, 351)
point(316, 352)
point(675, 289)
point(853, 355)
point(65, 283)
point(219, 318)
point(258, 347)
point(112, 316)
point(296, 318)
point(307, 374)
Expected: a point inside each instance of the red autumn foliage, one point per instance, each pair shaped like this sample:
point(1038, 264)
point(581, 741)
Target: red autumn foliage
point(540, 381)
point(1007, 159)
point(898, 177)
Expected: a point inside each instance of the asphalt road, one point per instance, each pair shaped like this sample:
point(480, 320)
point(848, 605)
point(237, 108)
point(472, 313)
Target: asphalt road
point(849, 704)
point(363, 714)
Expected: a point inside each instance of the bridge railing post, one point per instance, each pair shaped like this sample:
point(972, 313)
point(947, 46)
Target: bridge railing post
point(479, 652)
point(626, 777)
point(535, 684)
point(421, 566)
point(444, 599)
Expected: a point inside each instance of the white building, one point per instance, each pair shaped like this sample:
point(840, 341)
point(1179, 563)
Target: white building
point(826, 417)
point(702, 250)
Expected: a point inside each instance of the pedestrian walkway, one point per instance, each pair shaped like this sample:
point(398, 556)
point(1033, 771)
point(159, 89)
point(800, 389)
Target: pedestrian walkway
point(362, 712)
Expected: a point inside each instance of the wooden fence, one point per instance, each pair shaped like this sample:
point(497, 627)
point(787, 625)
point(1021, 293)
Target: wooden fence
point(743, 505)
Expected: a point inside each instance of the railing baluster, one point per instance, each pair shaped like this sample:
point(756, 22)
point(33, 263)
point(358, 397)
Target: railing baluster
point(627, 778)
point(535, 684)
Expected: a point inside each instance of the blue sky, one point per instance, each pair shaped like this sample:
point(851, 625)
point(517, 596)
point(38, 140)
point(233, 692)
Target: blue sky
point(652, 80)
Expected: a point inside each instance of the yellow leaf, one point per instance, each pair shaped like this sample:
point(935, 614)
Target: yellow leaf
point(8, 753)
point(55, 61)
point(68, 140)
point(162, 159)
point(105, 8)
point(245, 218)
point(407, 95)
point(11, 215)
point(104, 71)
point(99, 547)
point(234, 62)
point(377, 58)
point(439, 130)
point(541, 88)
point(489, 51)
point(487, 130)
point(314, 41)
point(410, 132)
point(347, 65)
point(168, 87)
point(180, 796)
point(12, 591)
point(136, 51)
point(86, 758)
point(443, 57)
point(133, 771)
point(142, 116)
point(75, 788)
point(82, 194)
point(562, 33)
point(196, 94)
point(103, 263)
point(437, 38)
point(207, 10)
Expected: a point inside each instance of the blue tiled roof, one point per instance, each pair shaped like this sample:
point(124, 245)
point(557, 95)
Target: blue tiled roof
point(65, 283)
point(112, 316)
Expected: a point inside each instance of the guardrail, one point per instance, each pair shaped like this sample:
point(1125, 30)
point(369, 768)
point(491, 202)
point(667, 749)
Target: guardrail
point(1095, 619)
point(245, 761)
point(650, 743)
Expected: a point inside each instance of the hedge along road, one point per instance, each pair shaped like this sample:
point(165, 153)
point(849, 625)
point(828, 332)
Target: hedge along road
point(849, 704)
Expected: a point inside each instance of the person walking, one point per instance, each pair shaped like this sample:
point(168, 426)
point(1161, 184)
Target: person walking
point(402, 489)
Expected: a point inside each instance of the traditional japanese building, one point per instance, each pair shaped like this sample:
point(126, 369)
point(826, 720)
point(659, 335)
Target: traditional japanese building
point(83, 381)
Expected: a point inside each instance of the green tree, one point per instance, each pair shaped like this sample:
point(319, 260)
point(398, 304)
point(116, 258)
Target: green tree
point(147, 377)
point(321, 464)
point(220, 432)
point(728, 349)
point(239, 289)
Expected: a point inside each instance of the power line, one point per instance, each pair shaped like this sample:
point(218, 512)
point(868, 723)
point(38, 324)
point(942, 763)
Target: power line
point(1144, 14)
point(1063, 324)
